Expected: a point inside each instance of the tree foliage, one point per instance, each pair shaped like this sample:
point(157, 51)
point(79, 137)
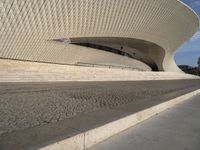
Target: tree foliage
point(198, 62)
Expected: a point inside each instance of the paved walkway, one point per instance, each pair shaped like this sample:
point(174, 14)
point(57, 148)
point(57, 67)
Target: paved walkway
point(175, 129)
point(25, 105)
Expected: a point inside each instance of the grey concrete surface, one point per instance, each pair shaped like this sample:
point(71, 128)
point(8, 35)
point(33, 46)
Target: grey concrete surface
point(175, 129)
point(26, 105)
point(45, 133)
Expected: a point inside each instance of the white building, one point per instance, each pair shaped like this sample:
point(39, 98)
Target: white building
point(141, 34)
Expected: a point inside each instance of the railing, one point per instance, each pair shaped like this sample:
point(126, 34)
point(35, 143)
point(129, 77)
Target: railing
point(106, 65)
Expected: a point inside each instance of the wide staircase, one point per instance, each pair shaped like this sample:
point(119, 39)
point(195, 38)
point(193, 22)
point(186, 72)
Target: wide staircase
point(21, 71)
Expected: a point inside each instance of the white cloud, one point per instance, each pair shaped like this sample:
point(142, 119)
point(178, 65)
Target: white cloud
point(194, 2)
point(195, 37)
point(197, 2)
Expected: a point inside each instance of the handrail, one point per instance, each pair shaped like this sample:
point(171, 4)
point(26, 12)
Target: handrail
point(106, 65)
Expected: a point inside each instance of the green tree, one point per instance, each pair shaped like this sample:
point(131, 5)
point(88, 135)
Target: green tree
point(198, 62)
point(198, 65)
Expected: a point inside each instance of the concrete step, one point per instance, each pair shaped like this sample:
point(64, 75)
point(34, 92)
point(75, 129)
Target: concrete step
point(16, 71)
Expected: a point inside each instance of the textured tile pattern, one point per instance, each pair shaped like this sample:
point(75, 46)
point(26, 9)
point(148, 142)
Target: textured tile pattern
point(27, 25)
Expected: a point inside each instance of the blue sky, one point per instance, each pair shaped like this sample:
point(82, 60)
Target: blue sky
point(189, 52)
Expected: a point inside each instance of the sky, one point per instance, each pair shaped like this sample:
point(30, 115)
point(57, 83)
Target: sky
point(189, 52)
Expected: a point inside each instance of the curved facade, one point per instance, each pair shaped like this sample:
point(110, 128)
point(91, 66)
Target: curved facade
point(134, 33)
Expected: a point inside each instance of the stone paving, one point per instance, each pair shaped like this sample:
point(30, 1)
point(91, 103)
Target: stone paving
point(25, 105)
point(177, 128)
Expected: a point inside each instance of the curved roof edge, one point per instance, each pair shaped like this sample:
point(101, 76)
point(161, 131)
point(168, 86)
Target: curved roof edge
point(192, 10)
